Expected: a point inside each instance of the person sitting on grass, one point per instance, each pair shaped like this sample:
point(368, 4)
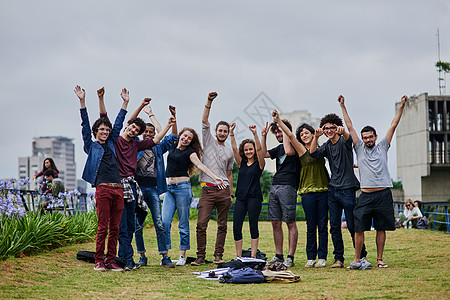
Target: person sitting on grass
point(411, 213)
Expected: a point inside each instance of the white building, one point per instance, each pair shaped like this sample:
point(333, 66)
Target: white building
point(423, 148)
point(60, 149)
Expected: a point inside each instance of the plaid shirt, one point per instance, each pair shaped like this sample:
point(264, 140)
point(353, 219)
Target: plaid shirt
point(129, 196)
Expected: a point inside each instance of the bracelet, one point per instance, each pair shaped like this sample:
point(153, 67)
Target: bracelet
point(152, 115)
point(232, 195)
point(231, 134)
point(207, 106)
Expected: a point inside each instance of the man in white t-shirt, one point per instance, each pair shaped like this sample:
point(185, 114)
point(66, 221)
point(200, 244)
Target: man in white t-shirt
point(375, 202)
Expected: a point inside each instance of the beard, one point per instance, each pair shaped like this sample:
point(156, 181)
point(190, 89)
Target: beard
point(221, 140)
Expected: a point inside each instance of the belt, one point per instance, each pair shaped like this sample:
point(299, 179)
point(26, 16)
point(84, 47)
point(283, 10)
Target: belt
point(111, 185)
point(207, 184)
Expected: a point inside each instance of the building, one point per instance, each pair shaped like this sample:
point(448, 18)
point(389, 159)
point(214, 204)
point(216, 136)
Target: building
point(423, 148)
point(60, 149)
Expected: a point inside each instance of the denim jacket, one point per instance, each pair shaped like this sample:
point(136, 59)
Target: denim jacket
point(161, 148)
point(93, 148)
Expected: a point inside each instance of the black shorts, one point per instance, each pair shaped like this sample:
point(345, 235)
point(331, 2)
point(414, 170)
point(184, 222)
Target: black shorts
point(378, 206)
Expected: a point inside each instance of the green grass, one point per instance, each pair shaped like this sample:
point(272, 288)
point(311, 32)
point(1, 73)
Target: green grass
point(418, 268)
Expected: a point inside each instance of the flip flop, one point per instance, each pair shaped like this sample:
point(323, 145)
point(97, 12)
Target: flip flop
point(382, 265)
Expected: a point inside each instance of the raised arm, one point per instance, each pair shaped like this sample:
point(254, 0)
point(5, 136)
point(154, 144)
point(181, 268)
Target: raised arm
point(196, 161)
point(315, 141)
point(347, 120)
point(297, 145)
point(101, 102)
point(234, 146)
point(81, 93)
point(172, 110)
point(148, 110)
point(143, 104)
point(288, 149)
point(163, 132)
point(205, 116)
point(259, 152)
point(264, 132)
point(341, 131)
point(396, 120)
point(125, 94)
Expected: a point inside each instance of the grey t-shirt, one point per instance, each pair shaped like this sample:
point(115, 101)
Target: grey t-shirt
point(373, 164)
point(340, 159)
point(217, 158)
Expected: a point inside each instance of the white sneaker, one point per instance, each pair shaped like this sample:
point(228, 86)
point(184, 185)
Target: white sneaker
point(310, 263)
point(321, 263)
point(181, 261)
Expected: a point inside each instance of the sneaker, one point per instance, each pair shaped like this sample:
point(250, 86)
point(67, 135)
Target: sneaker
point(360, 264)
point(181, 261)
point(130, 266)
point(321, 263)
point(289, 262)
point(100, 266)
point(310, 263)
point(275, 259)
point(166, 262)
point(198, 261)
point(218, 260)
point(338, 264)
point(143, 260)
point(113, 267)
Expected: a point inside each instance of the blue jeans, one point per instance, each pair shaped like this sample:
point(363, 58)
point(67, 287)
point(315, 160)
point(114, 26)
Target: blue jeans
point(316, 212)
point(127, 228)
point(339, 200)
point(151, 197)
point(178, 197)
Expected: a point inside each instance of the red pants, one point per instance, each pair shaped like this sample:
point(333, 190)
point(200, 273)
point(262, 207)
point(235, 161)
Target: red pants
point(109, 202)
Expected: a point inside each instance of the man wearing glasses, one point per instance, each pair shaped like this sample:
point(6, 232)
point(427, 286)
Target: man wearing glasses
point(343, 183)
point(375, 202)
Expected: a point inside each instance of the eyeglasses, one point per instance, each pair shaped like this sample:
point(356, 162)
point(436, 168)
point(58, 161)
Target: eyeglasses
point(409, 204)
point(332, 128)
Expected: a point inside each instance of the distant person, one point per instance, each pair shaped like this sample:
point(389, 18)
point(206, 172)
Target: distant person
point(250, 160)
point(151, 177)
point(410, 215)
point(418, 203)
point(219, 159)
point(102, 172)
point(313, 189)
point(53, 185)
point(375, 204)
point(48, 164)
point(283, 192)
point(343, 183)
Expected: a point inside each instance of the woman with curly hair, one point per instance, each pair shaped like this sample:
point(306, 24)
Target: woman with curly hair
point(313, 189)
point(250, 159)
point(183, 159)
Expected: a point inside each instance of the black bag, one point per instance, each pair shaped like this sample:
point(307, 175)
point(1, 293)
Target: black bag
point(423, 223)
point(242, 275)
point(88, 256)
point(259, 254)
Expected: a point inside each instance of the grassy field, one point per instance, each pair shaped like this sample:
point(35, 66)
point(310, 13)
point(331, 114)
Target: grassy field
point(418, 261)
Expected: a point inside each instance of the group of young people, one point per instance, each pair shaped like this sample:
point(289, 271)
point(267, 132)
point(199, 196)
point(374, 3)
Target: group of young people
point(129, 175)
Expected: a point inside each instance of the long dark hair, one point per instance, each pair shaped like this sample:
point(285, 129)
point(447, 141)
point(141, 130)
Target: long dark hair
point(241, 149)
point(300, 129)
point(52, 165)
point(195, 144)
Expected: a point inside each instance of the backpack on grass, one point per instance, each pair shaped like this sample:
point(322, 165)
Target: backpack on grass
point(88, 256)
point(242, 275)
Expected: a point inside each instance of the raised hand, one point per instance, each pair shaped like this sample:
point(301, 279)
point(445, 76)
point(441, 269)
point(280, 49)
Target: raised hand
point(232, 127)
point(81, 93)
point(212, 96)
point(318, 132)
point(252, 128)
point(275, 115)
point(125, 94)
point(101, 92)
point(265, 130)
point(172, 121)
point(340, 130)
point(341, 100)
point(404, 99)
point(172, 110)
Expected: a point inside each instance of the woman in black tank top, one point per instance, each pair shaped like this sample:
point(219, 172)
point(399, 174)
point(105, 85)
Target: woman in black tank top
point(250, 159)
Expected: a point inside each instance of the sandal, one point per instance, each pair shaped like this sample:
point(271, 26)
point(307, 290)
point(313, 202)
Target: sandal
point(381, 265)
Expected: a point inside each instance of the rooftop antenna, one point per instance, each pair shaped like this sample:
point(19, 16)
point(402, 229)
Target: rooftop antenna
point(442, 67)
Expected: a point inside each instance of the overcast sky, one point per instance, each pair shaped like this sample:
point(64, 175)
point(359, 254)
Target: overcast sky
point(301, 54)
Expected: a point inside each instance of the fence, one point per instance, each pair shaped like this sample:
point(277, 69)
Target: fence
point(30, 200)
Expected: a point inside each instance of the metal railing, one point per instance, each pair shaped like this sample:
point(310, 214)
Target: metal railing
point(436, 213)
